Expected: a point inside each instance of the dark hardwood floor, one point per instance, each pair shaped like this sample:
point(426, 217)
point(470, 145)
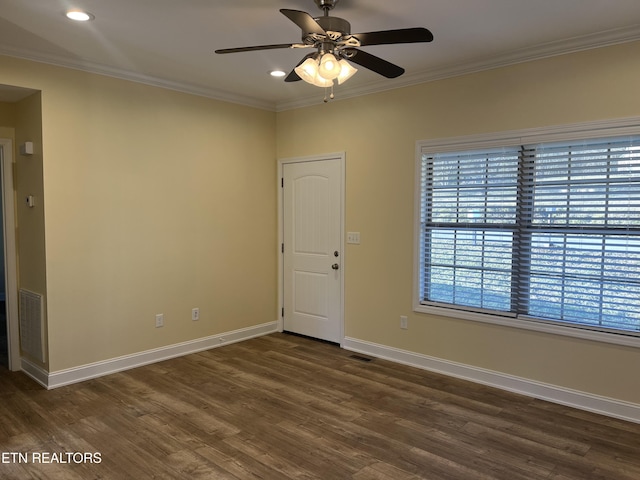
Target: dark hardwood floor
point(280, 407)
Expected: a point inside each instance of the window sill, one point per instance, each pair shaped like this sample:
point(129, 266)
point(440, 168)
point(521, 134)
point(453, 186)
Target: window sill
point(534, 325)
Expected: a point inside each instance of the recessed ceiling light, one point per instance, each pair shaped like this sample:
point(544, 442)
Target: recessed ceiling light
point(79, 15)
point(277, 73)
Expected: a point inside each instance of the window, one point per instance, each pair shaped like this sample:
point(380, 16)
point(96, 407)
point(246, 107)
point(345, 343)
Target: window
point(542, 232)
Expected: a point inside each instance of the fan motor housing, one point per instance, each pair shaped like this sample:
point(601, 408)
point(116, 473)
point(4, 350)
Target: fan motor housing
point(328, 4)
point(334, 26)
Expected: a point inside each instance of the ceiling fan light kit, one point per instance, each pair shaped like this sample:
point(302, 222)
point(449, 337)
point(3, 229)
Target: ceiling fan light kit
point(329, 67)
point(309, 71)
point(346, 71)
point(336, 48)
point(321, 70)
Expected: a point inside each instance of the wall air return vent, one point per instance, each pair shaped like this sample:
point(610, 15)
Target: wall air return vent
point(31, 316)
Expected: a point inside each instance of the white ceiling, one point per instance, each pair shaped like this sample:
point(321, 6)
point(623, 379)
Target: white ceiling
point(170, 43)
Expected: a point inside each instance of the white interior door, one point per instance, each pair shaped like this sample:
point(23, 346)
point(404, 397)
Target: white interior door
point(312, 243)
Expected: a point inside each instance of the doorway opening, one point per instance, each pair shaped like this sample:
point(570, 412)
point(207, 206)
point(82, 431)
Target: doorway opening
point(4, 333)
point(4, 336)
point(9, 336)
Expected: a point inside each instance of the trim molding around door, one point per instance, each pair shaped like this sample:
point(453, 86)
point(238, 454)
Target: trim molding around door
point(10, 253)
point(341, 156)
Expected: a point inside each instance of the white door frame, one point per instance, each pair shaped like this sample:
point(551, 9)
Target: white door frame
point(10, 254)
point(281, 162)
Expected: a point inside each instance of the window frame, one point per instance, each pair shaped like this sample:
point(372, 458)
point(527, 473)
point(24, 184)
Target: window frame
point(558, 133)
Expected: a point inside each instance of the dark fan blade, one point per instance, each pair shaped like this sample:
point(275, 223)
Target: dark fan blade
point(260, 47)
point(404, 35)
point(304, 21)
point(293, 76)
point(377, 64)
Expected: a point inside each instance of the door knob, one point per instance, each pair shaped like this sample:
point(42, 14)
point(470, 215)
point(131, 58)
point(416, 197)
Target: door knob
point(335, 266)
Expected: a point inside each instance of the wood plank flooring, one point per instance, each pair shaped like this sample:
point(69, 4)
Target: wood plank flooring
point(281, 407)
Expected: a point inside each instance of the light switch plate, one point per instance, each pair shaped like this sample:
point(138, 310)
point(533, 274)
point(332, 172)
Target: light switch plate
point(353, 238)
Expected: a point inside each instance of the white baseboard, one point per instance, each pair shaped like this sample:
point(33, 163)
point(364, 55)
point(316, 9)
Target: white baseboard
point(552, 393)
point(113, 365)
point(37, 373)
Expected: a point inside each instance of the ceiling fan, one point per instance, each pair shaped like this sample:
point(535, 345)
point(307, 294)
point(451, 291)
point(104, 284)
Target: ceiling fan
point(334, 44)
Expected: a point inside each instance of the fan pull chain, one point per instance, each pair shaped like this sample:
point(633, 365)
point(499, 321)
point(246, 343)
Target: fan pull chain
point(331, 95)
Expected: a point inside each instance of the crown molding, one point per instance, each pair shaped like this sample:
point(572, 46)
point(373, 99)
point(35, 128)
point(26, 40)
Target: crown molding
point(538, 52)
point(550, 49)
point(90, 67)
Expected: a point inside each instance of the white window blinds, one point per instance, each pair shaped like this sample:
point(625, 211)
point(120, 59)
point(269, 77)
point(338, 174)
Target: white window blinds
point(546, 231)
point(469, 218)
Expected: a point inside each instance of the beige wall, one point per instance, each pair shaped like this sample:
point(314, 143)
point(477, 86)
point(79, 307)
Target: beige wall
point(379, 141)
point(30, 241)
point(24, 120)
point(154, 202)
point(7, 116)
point(29, 181)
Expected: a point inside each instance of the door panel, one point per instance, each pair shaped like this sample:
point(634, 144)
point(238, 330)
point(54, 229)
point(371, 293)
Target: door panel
point(312, 237)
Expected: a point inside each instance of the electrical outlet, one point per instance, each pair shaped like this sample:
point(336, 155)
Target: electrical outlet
point(404, 322)
point(195, 314)
point(160, 320)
